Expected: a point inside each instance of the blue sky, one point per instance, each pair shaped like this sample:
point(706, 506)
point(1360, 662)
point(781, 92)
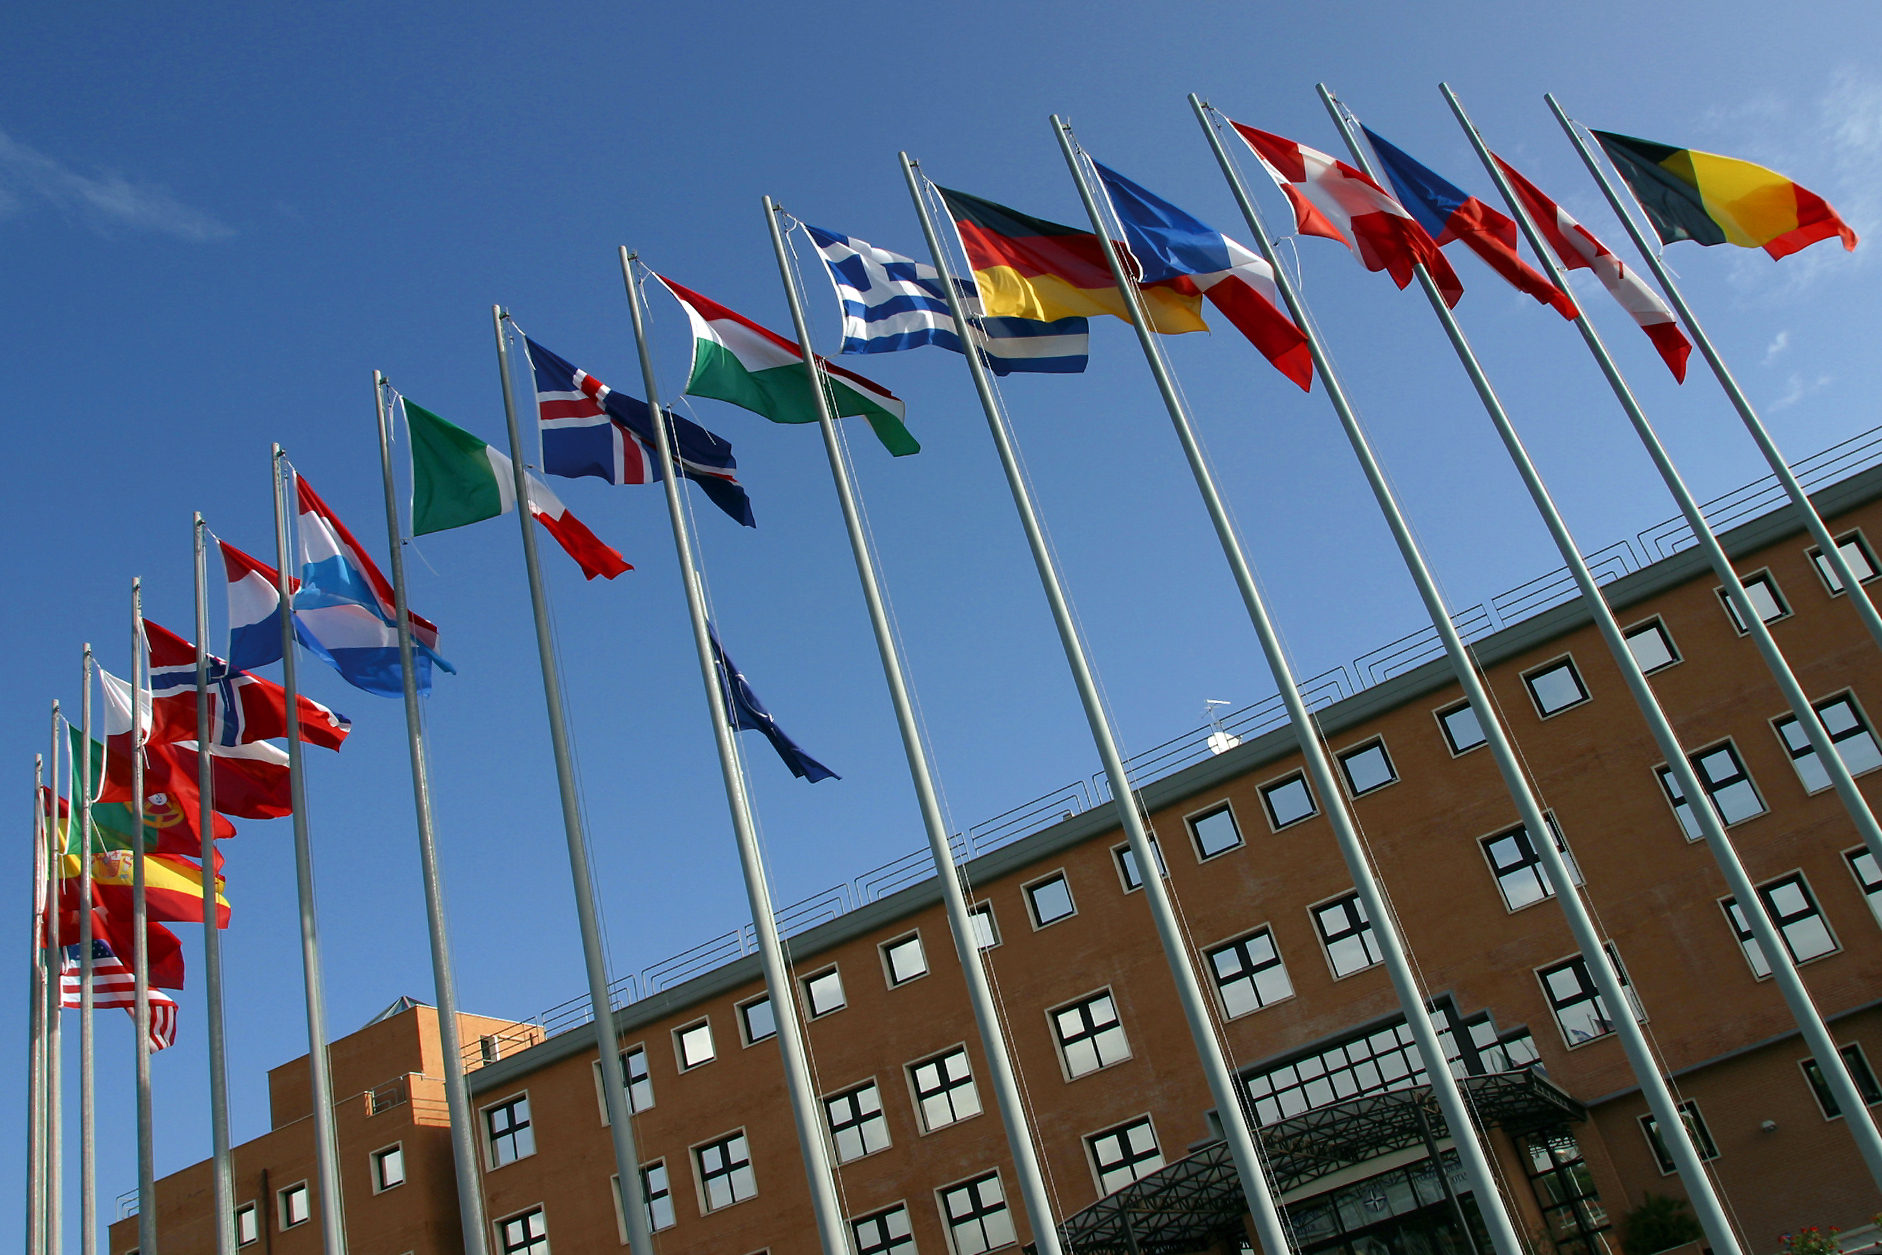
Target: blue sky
point(216, 220)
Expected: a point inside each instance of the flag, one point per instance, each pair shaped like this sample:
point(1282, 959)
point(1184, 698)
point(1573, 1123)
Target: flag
point(173, 885)
point(1709, 199)
point(590, 429)
point(891, 302)
point(458, 479)
point(1334, 200)
point(1449, 213)
point(250, 780)
point(1168, 244)
point(736, 360)
point(172, 802)
point(748, 714)
point(113, 984)
point(1027, 267)
point(254, 608)
point(1579, 250)
point(343, 610)
point(243, 707)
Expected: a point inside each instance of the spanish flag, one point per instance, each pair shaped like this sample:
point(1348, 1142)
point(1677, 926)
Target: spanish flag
point(1692, 195)
point(1029, 268)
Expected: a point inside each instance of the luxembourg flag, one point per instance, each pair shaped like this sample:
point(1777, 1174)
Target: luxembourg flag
point(343, 611)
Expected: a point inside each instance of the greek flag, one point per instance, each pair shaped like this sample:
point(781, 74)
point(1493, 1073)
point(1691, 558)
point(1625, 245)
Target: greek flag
point(892, 302)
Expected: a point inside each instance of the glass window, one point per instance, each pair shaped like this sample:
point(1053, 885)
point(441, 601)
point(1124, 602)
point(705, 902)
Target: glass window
point(857, 1125)
point(1859, 1072)
point(944, 1089)
point(526, 1234)
point(1794, 913)
point(694, 1043)
point(1090, 1035)
point(1215, 832)
point(1695, 1129)
point(388, 1168)
point(725, 1172)
point(657, 1189)
point(1862, 866)
point(1127, 865)
point(294, 1205)
point(1651, 647)
point(1367, 768)
point(1855, 552)
point(1125, 1154)
point(1519, 872)
point(1461, 729)
point(247, 1225)
point(1383, 1059)
point(1579, 1009)
point(1556, 687)
point(1347, 935)
point(1765, 599)
point(986, 928)
point(1249, 974)
point(824, 993)
point(1726, 781)
point(508, 1128)
point(1855, 745)
point(1288, 801)
point(904, 959)
point(1564, 1188)
point(1050, 900)
point(885, 1233)
point(756, 1021)
point(976, 1215)
point(639, 1081)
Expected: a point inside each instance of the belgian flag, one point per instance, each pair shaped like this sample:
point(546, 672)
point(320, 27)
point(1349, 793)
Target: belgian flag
point(1709, 199)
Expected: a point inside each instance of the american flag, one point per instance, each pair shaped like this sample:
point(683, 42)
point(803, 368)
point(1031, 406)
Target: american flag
point(114, 985)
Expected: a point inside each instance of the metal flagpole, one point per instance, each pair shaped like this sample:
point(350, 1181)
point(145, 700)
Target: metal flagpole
point(87, 1091)
point(470, 1200)
point(221, 1163)
point(1777, 952)
point(1832, 552)
point(320, 1079)
point(55, 1006)
point(140, 941)
point(1224, 1088)
point(812, 1143)
point(614, 1093)
point(1019, 1134)
point(1445, 1089)
point(36, 1021)
point(1658, 1093)
point(1588, 941)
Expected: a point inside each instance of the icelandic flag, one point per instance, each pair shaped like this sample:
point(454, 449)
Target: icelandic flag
point(1168, 244)
point(343, 611)
point(1449, 213)
point(748, 714)
point(590, 429)
point(891, 302)
point(254, 609)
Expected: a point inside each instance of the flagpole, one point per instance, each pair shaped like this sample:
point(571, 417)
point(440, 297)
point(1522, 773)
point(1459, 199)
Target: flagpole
point(1224, 1088)
point(614, 1094)
point(221, 1163)
point(140, 941)
point(1809, 1019)
point(87, 1090)
point(1832, 552)
point(36, 1035)
point(831, 1228)
point(470, 1202)
point(319, 1077)
point(55, 1007)
point(1445, 1089)
point(1034, 1191)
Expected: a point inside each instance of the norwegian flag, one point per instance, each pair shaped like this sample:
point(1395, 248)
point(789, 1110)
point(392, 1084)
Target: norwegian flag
point(243, 707)
point(113, 984)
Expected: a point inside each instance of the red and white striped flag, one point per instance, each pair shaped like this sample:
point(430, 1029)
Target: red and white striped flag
point(113, 984)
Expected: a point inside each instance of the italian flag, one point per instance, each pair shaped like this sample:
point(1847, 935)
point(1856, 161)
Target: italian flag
point(457, 479)
point(736, 360)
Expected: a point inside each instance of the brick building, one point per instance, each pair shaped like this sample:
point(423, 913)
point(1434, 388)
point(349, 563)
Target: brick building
point(1121, 1111)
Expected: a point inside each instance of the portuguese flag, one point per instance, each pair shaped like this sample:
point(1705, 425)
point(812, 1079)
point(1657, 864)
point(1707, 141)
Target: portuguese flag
point(736, 360)
point(1698, 196)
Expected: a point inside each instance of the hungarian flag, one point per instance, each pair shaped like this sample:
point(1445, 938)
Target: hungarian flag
point(1709, 199)
point(1336, 201)
point(457, 479)
point(243, 707)
point(113, 984)
point(736, 360)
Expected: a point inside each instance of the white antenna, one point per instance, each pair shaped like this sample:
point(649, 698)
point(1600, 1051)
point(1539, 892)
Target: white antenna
point(1221, 740)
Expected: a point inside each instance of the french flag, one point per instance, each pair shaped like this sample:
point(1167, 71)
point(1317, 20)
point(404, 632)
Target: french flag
point(1449, 213)
point(254, 609)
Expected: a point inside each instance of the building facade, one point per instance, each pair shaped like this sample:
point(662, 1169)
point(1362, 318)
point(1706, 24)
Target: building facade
point(1107, 1066)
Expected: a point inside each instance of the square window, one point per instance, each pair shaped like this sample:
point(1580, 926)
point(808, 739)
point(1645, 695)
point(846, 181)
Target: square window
point(904, 959)
point(1651, 646)
point(1367, 768)
point(1215, 832)
point(1765, 599)
point(944, 1089)
point(1722, 773)
point(1519, 871)
point(1859, 1072)
point(527, 1234)
point(294, 1204)
point(1347, 935)
point(1287, 801)
point(1089, 1034)
point(986, 928)
point(1461, 729)
point(388, 1168)
point(977, 1216)
point(1580, 1011)
point(885, 1233)
point(639, 1082)
point(1695, 1129)
point(507, 1131)
point(1127, 865)
point(1793, 912)
point(857, 1124)
point(1855, 552)
point(1849, 733)
point(1125, 1154)
point(1862, 867)
point(755, 1020)
point(1249, 974)
point(1050, 900)
point(247, 1225)
point(1556, 687)
point(657, 1189)
point(725, 1172)
point(693, 1044)
point(824, 993)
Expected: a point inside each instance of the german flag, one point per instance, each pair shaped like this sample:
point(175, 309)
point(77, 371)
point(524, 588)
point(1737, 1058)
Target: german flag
point(1030, 268)
point(1698, 196)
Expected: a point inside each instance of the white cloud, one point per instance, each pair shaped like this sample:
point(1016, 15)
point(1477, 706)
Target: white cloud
point(1779, 342)
point(106, 203)
point(1799, 388)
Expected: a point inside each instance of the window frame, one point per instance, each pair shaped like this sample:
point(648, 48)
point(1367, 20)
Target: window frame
point(888, 963)
point(601, 1094)
point(1274, 783)
point(1666, 636)
point(1873, 897)
point(741, 1012)
point(1356, 749)
point(1747, 938)
point(534, 1209)
point(489, 1139)
point(810, 1007)
point(914, 1088)
point(1326, 950)
point(1664, 772)
point(1577, 960)
point(1221, 806)
point(880, 1213)
point(375, 1161)
point(1209, 951)
point(700, 1188)
point(1122, 851)
point(1444, 729)
point(1090, 1035)
point(1039, 882)
point(983, 909)
point(282, 1223)
point(1006, 1205)
point(1761, 575)
point(253, 1208)
point(1663, 1159)
point(881, 1115)
point(1531, 674)
point(1817, 562)
point(1091, 1150)
point(679, 1045)
point(1561, 844)
point(1819, 1089)
point(647, 1194)
point(1865, 727)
